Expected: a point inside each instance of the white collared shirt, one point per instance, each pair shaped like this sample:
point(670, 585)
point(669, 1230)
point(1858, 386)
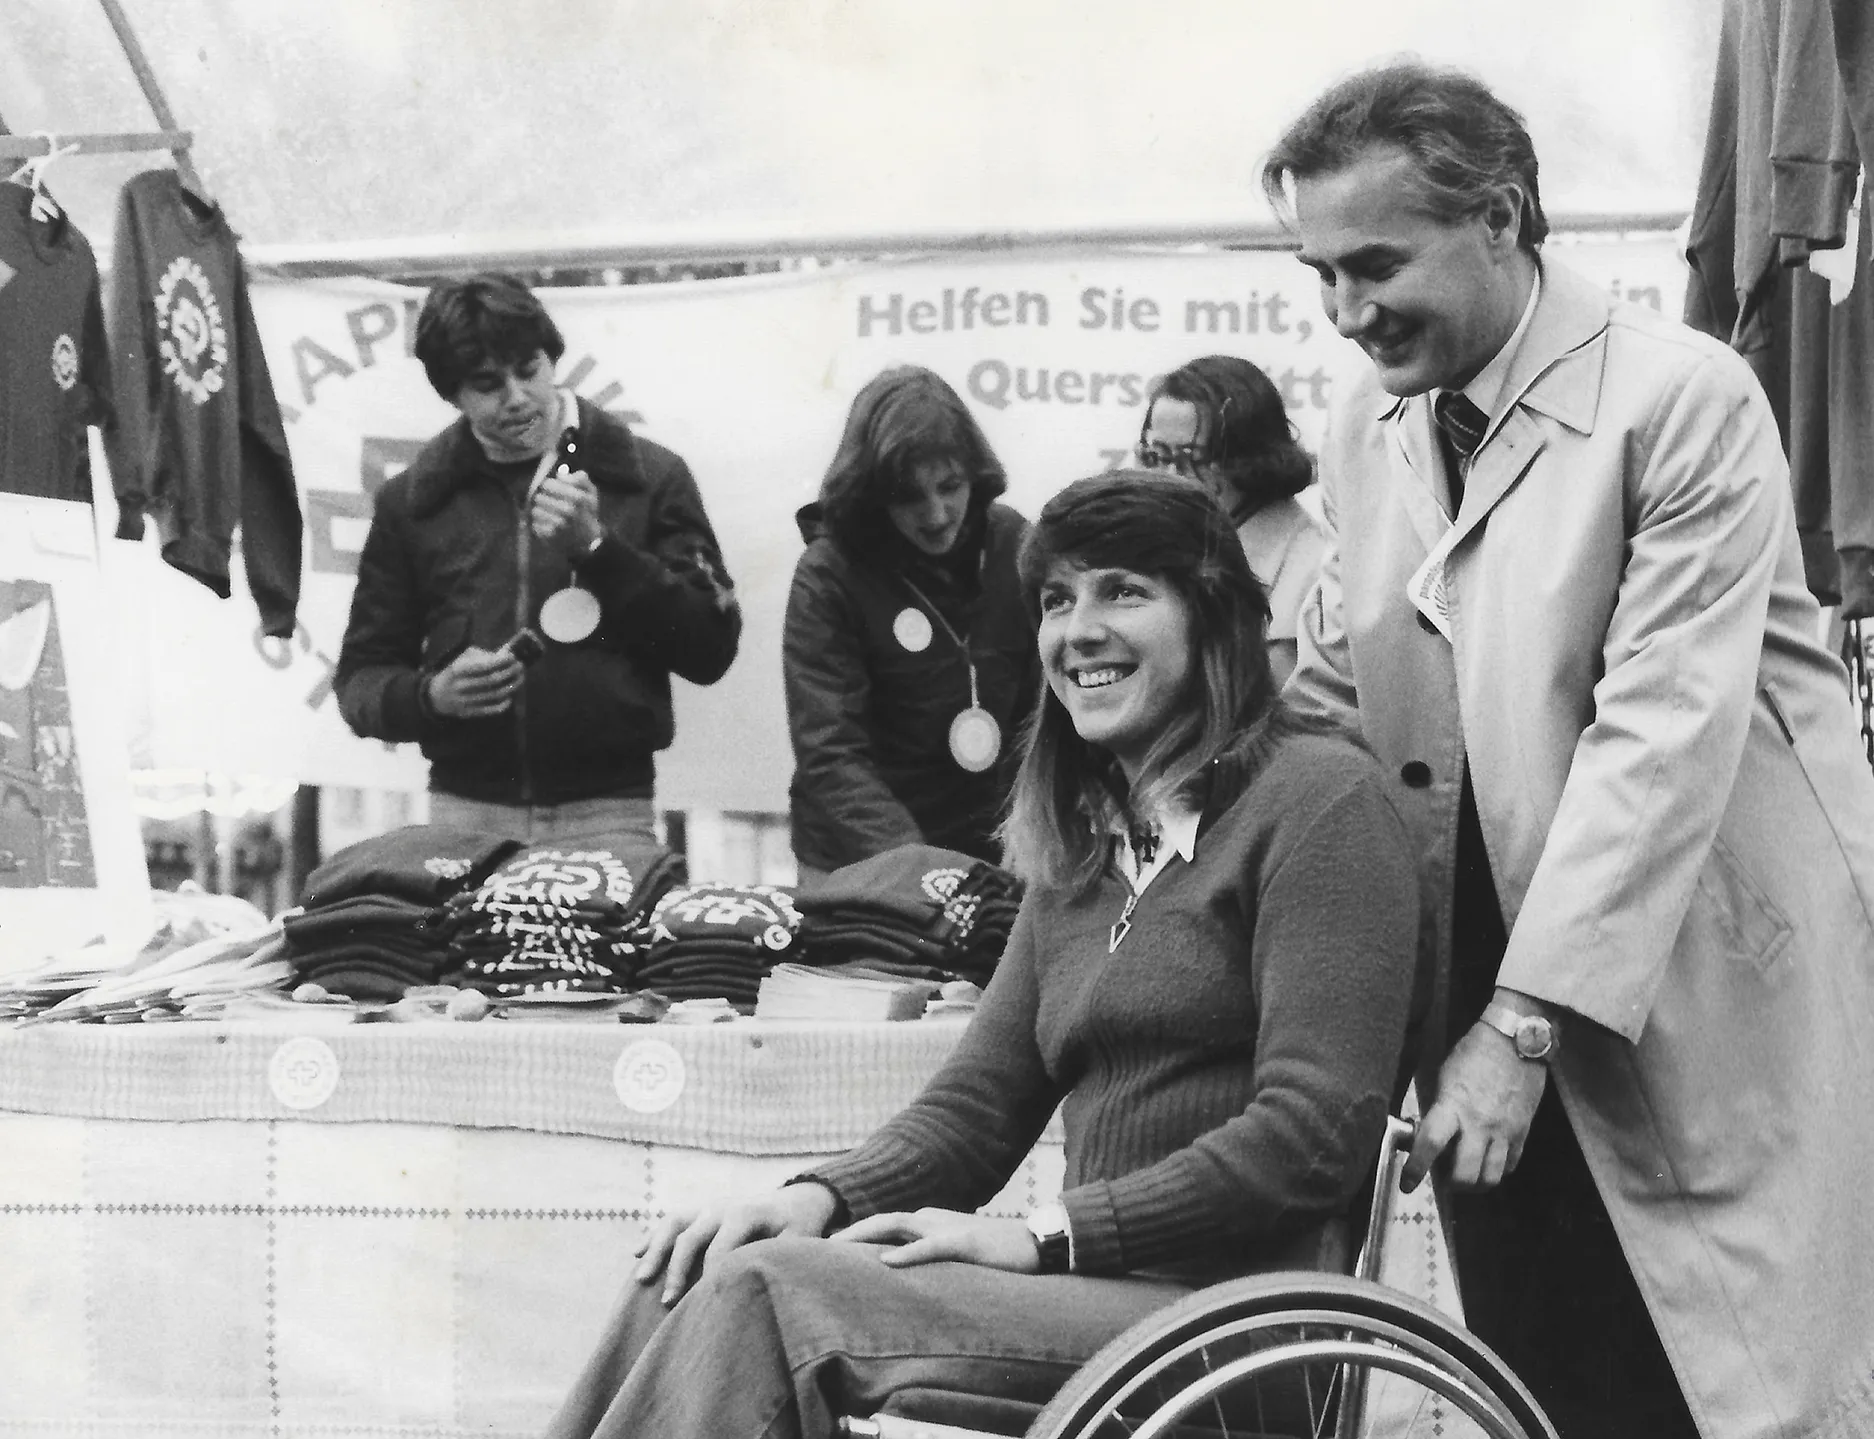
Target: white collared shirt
point(1177, 836)
point(1486, 389)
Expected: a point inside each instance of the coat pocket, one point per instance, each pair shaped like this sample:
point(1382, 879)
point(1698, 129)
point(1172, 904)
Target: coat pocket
point(1745, 923)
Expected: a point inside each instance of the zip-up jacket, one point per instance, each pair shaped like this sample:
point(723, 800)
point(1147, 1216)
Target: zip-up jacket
point(442, 569)
point(870, 718)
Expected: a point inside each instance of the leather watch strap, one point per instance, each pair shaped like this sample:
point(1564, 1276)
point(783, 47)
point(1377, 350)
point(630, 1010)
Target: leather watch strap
point(1054, 1238)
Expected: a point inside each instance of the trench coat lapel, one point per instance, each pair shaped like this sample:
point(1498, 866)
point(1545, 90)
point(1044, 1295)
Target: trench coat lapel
point(1556, 372)
point(1503, 460)
point(1419, 466)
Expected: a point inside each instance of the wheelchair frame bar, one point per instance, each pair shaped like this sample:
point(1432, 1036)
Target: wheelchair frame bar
point(1393, 1149)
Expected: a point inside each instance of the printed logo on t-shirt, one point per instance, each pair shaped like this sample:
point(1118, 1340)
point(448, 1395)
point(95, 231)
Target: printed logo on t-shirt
point(64, 362)
point(194, 343)
point(941, 884)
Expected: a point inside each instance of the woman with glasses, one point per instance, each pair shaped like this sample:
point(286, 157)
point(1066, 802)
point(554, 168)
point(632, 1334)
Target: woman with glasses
point(908, 659)
point(1213, 977)
point(1220, 421)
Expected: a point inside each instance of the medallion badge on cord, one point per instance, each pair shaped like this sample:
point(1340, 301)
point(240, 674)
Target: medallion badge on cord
point(975, 737)
point(570, 614)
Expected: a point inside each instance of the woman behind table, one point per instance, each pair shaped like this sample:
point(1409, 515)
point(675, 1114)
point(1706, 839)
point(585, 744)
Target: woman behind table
point(1220, 421)
point(909, 660)
point(1214, 968)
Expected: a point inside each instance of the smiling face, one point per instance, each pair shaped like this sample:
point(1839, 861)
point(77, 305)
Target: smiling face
point(1116, 649)
point(513, 409)
point(928, 507)
point(1430, 301)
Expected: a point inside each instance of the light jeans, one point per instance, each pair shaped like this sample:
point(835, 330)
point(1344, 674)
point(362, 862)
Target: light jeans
point(626, 827)
point(784, 1335)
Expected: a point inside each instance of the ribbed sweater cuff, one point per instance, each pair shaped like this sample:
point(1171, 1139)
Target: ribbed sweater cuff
point(1134, 1223)
point(876, 1178)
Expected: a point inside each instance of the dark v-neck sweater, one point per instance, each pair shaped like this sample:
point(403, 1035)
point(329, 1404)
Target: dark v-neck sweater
point(1225, 1073)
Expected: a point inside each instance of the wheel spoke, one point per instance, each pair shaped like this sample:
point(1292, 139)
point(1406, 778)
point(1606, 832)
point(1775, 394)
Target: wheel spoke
point(1287, 1357)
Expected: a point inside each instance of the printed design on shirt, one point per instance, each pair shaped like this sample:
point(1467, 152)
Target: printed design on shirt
point(560, 877)
point(941, 884)
point(194, 343)
point(64, 362)
point(758, 912)
point(444, 868)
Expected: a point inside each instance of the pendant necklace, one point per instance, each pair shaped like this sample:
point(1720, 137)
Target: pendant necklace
point(975, 737)
point(1142, 841)
point(572, 612)
point(1124, 927)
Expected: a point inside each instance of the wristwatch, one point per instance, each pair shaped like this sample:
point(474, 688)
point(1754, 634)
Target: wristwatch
point(1533, 1036)
point(1054, 1238)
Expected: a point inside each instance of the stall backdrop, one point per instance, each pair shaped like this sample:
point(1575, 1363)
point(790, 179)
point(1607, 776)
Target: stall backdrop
point(351, 122)
point(749, 379)
point(397, 137)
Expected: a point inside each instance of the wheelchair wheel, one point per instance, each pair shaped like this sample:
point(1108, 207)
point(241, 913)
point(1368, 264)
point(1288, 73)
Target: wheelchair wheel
point(1291, 1356)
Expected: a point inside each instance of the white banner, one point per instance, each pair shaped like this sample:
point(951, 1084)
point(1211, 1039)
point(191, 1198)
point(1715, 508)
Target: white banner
point(750, 381)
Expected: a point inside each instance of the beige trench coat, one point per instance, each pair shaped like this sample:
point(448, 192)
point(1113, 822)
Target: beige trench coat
point(1678, 815)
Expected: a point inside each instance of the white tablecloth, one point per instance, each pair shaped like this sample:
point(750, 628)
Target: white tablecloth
point(398, 1231)
point(427, 1251)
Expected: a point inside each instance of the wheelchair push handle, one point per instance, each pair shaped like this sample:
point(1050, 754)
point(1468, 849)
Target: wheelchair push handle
point(1394, 1147)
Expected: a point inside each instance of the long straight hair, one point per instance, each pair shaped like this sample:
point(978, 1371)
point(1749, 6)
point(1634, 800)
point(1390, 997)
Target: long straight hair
point(901, 416)
point(1068, 791)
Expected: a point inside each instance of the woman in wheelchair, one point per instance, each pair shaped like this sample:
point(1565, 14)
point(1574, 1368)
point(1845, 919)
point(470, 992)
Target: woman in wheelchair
point(1212, 978)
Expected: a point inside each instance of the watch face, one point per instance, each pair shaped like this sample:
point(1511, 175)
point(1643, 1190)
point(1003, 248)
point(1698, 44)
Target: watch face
point(1535, 1038)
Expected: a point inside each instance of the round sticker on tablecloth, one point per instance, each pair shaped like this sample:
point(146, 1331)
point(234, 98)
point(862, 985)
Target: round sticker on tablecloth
point(912, 629)
point(567, 616)
point(303, 1073)
point(975, 739)
point(648, 1076)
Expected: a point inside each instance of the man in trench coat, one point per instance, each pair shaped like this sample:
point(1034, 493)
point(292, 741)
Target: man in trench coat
point(1588, 655)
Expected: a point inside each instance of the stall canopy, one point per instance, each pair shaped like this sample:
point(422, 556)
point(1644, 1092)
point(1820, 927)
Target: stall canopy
point(479, 124)
point(353, 142)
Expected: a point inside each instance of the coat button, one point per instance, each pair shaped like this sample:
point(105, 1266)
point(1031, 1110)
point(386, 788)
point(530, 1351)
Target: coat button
point(1425, 623)
point(1416, 773)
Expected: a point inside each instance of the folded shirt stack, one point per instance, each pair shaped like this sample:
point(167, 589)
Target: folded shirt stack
point(916, 911)
point(552, 919)
point(368, 926)
point(367, 947)
point(718, 941)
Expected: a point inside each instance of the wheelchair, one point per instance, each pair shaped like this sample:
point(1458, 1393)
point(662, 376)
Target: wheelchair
point(1276, 1356)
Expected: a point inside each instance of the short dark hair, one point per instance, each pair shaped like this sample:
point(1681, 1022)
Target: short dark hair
point(1173, 529)
point(1248, 435)
point(485, 319)
point(1464, 141)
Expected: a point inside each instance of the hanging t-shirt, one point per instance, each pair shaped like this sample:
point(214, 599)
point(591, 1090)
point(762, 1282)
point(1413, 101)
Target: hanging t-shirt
point(200, 444)
point(54, 367)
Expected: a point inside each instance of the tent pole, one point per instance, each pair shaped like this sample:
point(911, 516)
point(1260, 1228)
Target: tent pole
point(152, 89)
point(19, 147)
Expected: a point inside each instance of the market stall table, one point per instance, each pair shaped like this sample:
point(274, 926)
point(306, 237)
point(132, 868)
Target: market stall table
point(382, 1229)
point(399, 1231)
